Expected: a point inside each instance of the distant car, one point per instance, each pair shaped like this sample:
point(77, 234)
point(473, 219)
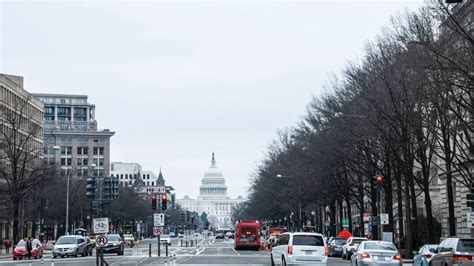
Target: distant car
point(129, 239)
point(165, 239)
point(70, 245)
point(376, 253)
point(180, 235)
point(115, 244)
point(172, 234)
point(335, 246)
point(220, 235)
point(299, 248)
point(20, 252)
point(424, 255)
point(350, 246)
point(454, 251)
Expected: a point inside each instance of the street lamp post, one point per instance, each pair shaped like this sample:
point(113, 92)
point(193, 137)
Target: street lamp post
point(366, 207)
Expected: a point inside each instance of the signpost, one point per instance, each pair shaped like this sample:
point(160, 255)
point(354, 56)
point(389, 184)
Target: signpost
point(345, 222)
point(101, 240)
point(100, 225)
point(158, 219)
point(384, 220)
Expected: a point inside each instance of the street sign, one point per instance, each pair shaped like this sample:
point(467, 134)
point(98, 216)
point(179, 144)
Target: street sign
point(100, 225)
point(470, 219)
point(157, 230)
point(159, 219)
point(101, 240)
point(345, 222)
point(384, 219)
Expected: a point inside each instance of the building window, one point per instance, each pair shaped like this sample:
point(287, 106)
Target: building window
point(66, 150)
point(66, 161)
point(98, 150)
point(99, 162)
point(152, 183)
point(82, 161)
point(82, 150)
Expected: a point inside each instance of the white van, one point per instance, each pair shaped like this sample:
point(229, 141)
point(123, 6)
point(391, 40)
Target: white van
point(300, 248)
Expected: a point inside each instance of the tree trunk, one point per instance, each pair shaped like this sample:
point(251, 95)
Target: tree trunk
point(429, 217)
point(16, 220)
point(408, 239)
point(401, 233)
point(414, 212)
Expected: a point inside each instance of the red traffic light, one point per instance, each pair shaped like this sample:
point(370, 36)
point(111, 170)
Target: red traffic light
point(164, 197)
point(153, 197)
point(379, 179)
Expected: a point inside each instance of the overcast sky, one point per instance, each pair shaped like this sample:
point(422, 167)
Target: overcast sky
point(179, 80)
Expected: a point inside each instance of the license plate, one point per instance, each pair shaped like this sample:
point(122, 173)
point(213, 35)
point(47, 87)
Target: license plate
point(308, 252)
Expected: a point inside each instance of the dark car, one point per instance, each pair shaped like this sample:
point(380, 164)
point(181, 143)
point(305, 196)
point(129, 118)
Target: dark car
point(335, 246)
point(115, 244)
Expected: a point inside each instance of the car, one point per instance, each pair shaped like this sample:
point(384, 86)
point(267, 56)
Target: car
point(129, 239)
point(20, 252)
point(350, 246)
point(165, 239)
point(70, 245)
point(115, 244)
point(376, 253)
point(454, 251)
point(335, 246)
point(180, 235)
point(424, 255)
point(299, 248)
point(172, 234)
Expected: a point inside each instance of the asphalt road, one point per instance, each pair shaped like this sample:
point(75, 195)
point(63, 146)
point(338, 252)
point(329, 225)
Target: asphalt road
point(208, 252)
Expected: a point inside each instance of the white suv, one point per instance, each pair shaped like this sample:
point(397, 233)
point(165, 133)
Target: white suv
point(350, 246)
point(300, 248)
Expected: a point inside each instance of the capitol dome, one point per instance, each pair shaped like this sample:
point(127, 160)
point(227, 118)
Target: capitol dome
point(213, 182)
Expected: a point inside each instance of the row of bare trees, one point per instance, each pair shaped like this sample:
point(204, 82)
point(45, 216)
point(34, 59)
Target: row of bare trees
point(403, 111)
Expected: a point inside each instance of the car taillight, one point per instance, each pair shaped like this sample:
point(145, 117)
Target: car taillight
point(290, 250)
point(397, 257)
point(461, 257)
point(428, 256)
point(326, 251)
point(365, 256)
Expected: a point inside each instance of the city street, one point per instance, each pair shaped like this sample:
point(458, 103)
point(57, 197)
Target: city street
point(208, 252)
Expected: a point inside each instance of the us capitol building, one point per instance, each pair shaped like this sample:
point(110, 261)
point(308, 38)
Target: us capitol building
point(212, 199)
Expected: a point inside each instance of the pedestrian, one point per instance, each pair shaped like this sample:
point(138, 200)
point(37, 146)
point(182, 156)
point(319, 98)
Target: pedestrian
point(8, 244)
point(29, 247)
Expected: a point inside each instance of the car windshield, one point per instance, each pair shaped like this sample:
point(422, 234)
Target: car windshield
point(66, 240)
point(308, 240)
point(432, 248)
point(380, 246)
point(22, 243)
point(165, 236)
point(113, 237)
point(339, 241)
point(465, 245)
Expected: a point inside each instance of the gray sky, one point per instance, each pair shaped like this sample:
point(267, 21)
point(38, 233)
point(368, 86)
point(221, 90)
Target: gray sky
point(179, 80)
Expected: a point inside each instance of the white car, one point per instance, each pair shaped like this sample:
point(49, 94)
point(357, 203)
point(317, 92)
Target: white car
point(376, 253)
point(165, 239)
point(350, 246)
point(299, 248)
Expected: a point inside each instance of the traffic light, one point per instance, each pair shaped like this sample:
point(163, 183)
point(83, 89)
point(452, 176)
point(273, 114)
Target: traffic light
point(181, 217)
point(90, 187)
point(379, 179)
point(153, 202)
point(107, 187)
point(164, 202)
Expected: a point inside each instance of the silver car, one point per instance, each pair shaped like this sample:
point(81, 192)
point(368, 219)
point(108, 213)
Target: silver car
point(70, 245)
point(376, 253)
point(454, 251)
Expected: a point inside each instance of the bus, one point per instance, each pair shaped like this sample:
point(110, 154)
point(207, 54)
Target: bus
point(247, 234)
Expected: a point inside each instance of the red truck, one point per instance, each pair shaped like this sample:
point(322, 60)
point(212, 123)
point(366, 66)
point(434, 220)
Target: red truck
point(247, 234)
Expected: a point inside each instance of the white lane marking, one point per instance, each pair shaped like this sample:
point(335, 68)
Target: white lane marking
point(235, 251)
